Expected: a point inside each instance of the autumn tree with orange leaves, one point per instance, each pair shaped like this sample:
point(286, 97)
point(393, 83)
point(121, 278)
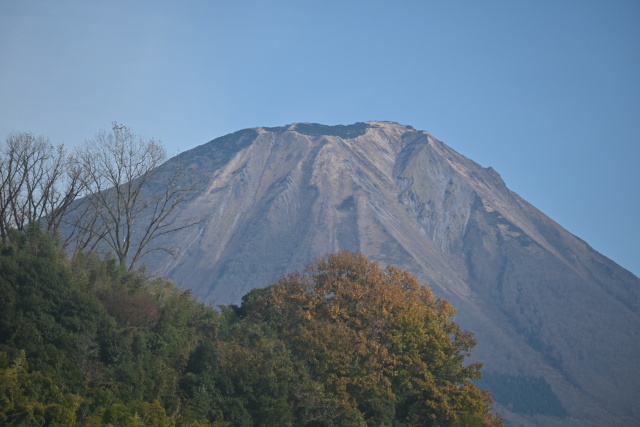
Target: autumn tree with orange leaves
point(381, 345)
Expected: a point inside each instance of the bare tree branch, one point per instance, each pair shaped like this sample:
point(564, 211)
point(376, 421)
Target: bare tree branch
point(37, 183)
point(130, 201)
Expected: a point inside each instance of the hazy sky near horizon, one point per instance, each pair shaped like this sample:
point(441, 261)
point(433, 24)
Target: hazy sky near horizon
point(545, 92)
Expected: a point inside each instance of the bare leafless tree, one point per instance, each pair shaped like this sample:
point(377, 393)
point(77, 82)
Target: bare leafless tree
point(38, 183)
point(130, 200)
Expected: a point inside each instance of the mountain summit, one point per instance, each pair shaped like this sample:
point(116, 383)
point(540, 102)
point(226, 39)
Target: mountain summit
point(549, 312)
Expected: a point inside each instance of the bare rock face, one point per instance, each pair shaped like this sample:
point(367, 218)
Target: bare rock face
point(542, 303)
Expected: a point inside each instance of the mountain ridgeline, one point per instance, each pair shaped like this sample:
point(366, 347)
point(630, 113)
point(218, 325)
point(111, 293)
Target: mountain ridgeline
point(547, 310)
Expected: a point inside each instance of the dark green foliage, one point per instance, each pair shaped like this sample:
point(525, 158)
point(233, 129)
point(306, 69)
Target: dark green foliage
point(347, 204)
point(342, 131)
point(99, 332)
point(523, 394)
point(86, 342)
point(315, 129)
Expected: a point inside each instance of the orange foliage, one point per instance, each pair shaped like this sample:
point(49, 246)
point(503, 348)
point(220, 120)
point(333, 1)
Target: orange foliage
point(374, 335)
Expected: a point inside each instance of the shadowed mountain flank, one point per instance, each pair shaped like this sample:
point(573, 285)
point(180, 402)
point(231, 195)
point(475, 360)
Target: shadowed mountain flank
point(545, 307)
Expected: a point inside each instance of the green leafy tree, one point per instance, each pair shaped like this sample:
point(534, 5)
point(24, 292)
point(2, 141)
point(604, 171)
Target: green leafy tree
point(32, 398)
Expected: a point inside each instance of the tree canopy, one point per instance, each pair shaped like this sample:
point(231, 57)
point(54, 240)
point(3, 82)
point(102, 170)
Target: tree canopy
point(84, 341)
point(381, 344)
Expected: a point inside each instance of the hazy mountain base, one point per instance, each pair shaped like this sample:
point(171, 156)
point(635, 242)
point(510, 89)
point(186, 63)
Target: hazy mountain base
point(273, 199)
point(523, 395)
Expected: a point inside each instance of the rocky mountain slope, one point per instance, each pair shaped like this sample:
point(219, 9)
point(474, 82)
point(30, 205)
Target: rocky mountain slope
point(541, 302)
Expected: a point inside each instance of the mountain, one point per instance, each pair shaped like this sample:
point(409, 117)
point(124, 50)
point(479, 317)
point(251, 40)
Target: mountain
point(557, 323)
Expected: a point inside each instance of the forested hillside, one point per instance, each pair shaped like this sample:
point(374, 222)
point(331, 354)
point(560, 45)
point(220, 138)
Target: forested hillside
point(83, 341)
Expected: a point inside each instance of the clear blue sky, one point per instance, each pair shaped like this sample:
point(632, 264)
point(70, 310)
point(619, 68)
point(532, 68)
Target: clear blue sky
point(546, 92)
